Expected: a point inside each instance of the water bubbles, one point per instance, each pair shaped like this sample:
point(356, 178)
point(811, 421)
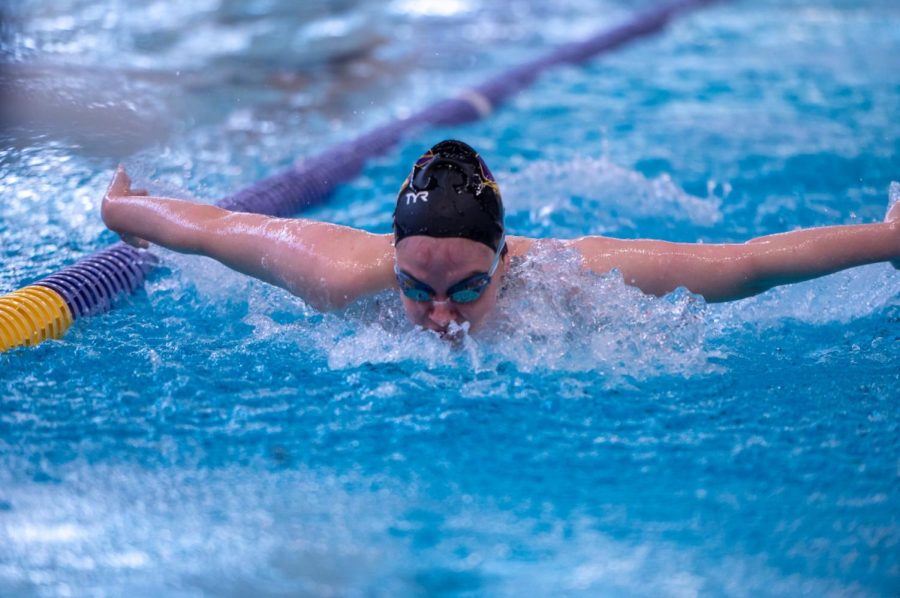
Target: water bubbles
point(557, 315)
point(553, 315)
point(557, 195)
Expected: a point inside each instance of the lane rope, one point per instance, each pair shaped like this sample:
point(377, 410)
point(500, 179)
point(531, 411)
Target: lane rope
point(94, 284)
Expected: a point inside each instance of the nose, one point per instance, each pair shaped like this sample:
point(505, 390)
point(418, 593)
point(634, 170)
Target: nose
point(442, 313)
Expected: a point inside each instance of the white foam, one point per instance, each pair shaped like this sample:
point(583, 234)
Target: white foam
point(840, 297)
point(612, 196)
point(552, 315)
point(555, 316)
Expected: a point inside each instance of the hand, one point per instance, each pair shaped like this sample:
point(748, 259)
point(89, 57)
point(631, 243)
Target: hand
point(120, 187)
point(893, 215)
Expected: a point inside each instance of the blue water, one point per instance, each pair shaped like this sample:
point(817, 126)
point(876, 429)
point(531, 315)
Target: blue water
point(214, 436)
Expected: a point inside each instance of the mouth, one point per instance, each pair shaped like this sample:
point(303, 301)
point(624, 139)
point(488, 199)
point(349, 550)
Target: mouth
point(441, 332)
point(453, 332)
point(454, 339)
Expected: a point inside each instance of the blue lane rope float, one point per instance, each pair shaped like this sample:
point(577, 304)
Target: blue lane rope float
point(48, 307)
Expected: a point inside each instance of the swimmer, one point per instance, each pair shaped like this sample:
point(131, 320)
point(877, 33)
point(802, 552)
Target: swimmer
point(449, 250)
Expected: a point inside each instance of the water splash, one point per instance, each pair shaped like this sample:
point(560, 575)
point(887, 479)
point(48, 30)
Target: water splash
point(552, 315)
point(557, 315)
point(556, 197)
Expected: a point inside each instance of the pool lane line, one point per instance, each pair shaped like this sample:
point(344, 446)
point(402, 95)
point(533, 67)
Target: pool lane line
point(93, 284)
point(47, 308)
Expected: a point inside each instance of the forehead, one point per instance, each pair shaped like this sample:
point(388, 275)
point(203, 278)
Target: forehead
point(446, 254)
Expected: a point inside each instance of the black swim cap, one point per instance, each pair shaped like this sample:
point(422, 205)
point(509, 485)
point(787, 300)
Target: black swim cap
point(450, 193)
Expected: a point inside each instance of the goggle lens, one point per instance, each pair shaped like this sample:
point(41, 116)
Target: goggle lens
point(465, 291)
point(418, 294)
point(418, 291)
point(466, 295)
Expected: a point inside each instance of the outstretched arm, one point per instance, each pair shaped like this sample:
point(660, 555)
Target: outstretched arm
point(327, 265)
point(724, 272)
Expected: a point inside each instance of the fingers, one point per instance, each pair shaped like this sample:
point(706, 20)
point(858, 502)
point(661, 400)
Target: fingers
point(893, 212)
point(120, 183)
point(120, 186)
point(893, 215)
point(121, 176)
point(135, 241)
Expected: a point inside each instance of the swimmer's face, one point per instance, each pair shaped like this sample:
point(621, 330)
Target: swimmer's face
point(441, 263)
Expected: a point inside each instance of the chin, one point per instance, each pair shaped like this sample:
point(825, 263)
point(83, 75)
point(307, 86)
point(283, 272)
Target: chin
point(457, 331)
point(453, 333)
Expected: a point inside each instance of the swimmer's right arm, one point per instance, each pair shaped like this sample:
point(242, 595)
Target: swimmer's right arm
point(326, 265)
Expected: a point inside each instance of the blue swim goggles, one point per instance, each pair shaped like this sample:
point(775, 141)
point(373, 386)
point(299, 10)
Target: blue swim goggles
point(465, 291)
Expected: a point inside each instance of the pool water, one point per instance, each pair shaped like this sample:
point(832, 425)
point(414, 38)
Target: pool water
point(213, 435)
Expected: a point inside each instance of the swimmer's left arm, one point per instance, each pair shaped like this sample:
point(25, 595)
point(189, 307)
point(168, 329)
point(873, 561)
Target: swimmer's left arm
point(725, 272)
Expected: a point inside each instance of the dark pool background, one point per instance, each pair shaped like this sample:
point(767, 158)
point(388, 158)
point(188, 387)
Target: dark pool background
point(213, 435)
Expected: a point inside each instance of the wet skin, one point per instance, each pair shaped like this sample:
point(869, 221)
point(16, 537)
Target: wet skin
point(330, 266)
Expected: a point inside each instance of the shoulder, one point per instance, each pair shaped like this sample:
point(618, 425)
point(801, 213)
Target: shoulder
point(336, 242)
point(363, 250)
point(368, 262)
point(596, 253)
point(586, 246)
point(593, 244)
point(363, 245)
point(330, 265)
point(520, 246)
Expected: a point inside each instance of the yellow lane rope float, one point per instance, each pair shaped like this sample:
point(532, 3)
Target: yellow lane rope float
point(32, 315)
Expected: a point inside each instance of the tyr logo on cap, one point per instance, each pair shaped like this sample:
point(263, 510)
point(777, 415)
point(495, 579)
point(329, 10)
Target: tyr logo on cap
point(413, 196)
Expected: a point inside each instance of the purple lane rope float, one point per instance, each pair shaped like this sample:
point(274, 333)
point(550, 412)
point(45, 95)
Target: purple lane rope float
point(48, 307)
